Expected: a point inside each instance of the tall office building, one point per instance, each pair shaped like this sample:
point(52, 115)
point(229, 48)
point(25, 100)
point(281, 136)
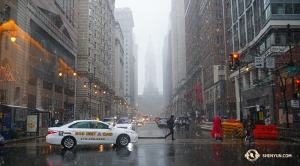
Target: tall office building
point(45, 45)
point(260, 29)
point(96, 42)
point(167, 74)
point(178, 49)
point(124, 17)
point(205, 59)
point(118, 72)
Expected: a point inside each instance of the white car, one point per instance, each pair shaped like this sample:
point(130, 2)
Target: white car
point(125, 123)
point(89, 132)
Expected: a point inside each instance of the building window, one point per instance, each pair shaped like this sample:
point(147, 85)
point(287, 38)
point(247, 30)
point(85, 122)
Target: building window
point(218, 3)
point(47, 85)
point(219, 14)
point(277, 8)
point(31, 102)
point(221, 77)
point(219, 39)
point(297, 8)
point(89, 67)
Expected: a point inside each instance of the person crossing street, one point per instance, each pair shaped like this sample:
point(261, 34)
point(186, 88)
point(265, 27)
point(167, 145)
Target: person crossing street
point(170, 124)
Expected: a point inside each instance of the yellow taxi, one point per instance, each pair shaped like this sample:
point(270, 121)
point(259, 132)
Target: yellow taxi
point(89, 132)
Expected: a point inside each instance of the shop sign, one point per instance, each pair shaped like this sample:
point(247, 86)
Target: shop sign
point(295, 103)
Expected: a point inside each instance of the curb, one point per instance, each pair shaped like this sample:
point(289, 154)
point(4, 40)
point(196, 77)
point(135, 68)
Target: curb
point(151, 137)
point(289, 139)
point(21, 139)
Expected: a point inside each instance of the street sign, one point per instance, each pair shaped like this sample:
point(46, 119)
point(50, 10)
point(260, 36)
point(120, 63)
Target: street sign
point(270, 62)
point(259, 62)
point(295, 103)
point(292, 70)
point(257, 107)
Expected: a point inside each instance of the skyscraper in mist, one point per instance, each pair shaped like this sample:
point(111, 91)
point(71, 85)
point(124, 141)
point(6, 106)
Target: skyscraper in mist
point(150, 71)
point(150, 103)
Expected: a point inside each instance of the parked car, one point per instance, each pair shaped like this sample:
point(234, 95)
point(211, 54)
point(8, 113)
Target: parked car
point(2, 140)
point(110, 120)
point(89, 132)
point(162, 122)
point(125, 123)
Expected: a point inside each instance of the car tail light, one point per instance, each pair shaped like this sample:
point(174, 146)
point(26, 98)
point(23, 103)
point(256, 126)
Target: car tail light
point(52, 132)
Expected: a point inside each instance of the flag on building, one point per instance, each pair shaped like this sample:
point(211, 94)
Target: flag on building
point(198, 90)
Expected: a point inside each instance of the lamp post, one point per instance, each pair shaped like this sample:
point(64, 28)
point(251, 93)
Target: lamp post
point(66, 90)
point(91, 80)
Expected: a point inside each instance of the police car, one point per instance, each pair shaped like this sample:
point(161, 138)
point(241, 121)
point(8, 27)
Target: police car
point(89, 132)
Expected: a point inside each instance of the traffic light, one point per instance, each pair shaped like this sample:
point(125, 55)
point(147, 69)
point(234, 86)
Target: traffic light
point(234, 60)
point(297, 85)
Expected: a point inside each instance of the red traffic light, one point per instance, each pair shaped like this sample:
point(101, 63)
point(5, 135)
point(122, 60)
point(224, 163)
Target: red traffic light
point(235, 55)
point(298, 81)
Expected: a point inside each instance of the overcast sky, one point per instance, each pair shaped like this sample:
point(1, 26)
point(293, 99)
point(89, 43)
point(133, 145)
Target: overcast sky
point(151, 18)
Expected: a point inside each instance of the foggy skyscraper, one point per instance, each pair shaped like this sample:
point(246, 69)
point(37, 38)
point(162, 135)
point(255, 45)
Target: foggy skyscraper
point(150, 71)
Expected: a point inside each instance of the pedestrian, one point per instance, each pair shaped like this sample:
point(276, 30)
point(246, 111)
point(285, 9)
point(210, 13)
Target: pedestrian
point(52, 122)
point(249, 129)
point(187, 124)
point(217, 129)
point(184, 123)
point(170, 124)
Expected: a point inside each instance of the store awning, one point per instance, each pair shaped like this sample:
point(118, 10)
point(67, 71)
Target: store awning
point(15, 106)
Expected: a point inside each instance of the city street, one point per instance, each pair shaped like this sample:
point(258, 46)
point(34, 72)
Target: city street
point(185, 150)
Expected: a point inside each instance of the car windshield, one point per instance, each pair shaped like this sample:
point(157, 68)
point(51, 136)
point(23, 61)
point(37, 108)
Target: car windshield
point(124, 121)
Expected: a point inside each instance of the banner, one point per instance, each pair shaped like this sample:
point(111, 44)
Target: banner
point(187, 96)
point(198, 90)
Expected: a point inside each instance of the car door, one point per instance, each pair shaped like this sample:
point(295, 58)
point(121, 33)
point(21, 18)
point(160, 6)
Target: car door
point(103, 133)
point(83, 133)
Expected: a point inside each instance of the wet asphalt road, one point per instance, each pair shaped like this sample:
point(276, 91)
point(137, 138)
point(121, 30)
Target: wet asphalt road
point(187, 149)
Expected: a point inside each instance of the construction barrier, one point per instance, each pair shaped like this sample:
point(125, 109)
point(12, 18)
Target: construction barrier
point(266, 132)
point(233, 128)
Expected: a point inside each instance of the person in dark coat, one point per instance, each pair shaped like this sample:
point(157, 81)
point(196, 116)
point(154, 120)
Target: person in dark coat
point(171, 124)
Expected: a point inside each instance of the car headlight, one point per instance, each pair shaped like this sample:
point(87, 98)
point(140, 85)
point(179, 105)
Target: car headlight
point(130, 131)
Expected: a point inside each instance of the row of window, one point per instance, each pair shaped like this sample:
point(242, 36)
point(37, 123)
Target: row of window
point(279, 38)
point(283, 8)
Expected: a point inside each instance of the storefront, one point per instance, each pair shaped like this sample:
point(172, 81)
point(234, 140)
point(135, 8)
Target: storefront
point(13, 120)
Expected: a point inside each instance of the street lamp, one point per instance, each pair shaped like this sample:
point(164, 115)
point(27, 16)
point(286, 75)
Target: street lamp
point(9, 27)
point(66, 89)
point(91, 80)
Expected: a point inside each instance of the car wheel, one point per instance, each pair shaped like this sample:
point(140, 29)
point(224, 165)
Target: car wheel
point(123, 140)
point(68, 142)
